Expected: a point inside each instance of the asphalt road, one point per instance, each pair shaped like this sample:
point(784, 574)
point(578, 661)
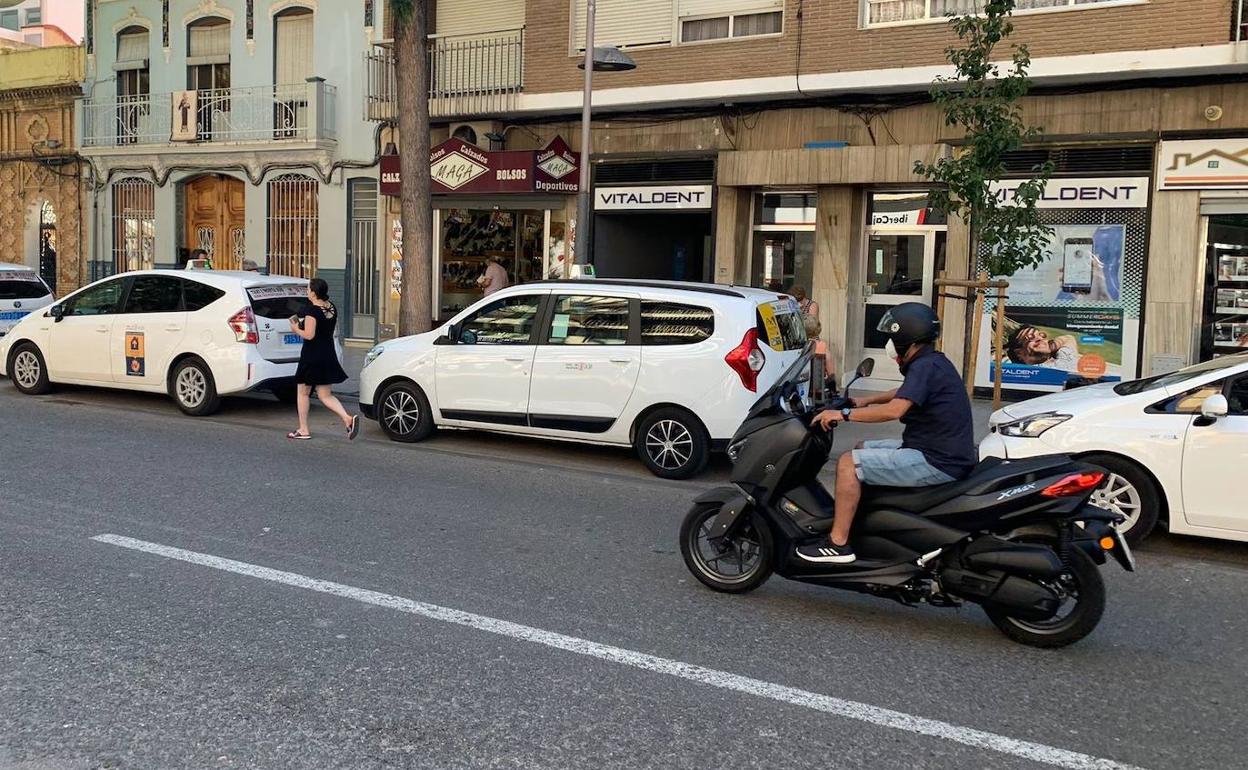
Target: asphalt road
point(484, 602)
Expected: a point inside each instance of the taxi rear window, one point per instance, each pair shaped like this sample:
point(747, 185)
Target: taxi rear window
point(280, 301)
point(22, 286)
point(780, 326)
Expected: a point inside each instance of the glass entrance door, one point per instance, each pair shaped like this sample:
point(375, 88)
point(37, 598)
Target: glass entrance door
point(900, 267)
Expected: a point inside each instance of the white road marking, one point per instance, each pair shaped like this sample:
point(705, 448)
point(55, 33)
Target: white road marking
point(862, 712)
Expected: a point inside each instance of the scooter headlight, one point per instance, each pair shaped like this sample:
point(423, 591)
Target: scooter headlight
point(1033, 426)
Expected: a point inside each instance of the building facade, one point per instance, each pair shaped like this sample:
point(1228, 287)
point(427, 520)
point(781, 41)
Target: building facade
point(233, 126)
point(42, 182)
point(39, 23)
point(772, 142)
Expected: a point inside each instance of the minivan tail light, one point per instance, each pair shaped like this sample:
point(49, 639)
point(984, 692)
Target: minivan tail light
point(1074, 484)
point(243, 324)
point(747, 360)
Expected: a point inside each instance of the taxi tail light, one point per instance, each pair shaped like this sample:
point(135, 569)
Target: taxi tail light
point(243, 324)
point(747, 360)
point(1074, 484)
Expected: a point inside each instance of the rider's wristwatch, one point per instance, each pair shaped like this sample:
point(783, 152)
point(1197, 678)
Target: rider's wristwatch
point(845, 412)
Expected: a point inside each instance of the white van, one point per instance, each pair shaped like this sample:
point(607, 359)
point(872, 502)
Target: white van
point(668, 368)
point(22, 292)
point(197, 336)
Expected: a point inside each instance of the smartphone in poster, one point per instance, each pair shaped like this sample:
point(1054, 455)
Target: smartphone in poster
point(1045, 347)
point(1082, 264)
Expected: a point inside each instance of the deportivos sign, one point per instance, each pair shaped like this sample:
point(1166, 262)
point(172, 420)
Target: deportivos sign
point(696, 197)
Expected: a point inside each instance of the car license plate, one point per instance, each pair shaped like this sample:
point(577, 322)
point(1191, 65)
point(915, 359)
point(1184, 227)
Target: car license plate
point(291, 339)
point(14, 315)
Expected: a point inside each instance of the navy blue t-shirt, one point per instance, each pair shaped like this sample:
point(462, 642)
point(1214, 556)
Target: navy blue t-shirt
point(939, 424)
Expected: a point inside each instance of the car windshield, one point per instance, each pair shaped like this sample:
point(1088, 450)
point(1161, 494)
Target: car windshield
point(1181, 376)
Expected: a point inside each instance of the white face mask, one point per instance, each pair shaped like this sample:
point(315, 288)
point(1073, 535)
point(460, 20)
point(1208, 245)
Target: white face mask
point(890, 350)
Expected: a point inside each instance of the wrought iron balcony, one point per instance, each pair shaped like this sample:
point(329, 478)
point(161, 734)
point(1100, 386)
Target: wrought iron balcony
point(469, 75)
point(303, 112)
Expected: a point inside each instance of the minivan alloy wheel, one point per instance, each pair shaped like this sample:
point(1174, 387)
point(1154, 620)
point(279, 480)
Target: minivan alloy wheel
point(191, 387)
point(26, 369)
point(669, 444)
point(400, 412)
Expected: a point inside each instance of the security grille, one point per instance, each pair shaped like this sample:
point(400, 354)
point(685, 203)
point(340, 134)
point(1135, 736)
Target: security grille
point(363, 258)
point(134, 224)
point(293, 214)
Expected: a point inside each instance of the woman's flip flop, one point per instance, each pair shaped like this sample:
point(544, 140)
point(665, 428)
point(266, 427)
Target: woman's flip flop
point(354, 430)
point(295, 435)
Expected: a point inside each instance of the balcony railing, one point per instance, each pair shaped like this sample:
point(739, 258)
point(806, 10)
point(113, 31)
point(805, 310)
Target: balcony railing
point(469, 75)
point(299, 112)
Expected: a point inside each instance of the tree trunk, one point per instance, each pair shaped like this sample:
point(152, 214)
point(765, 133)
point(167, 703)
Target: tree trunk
point(411, 55)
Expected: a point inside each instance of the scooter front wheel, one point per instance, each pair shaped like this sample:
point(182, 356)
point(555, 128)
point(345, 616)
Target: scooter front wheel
point(736, 564)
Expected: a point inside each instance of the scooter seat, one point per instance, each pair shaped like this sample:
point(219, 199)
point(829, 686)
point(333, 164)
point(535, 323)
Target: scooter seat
point(919, 499)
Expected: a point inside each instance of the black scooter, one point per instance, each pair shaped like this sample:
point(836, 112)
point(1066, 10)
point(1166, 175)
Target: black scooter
point(1017, 538)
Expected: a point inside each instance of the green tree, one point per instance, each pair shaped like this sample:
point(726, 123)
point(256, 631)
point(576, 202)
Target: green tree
point(411, 65)
point(984, 102)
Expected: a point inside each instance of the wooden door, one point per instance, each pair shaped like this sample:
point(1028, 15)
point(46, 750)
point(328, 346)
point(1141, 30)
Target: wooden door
point(215, 219)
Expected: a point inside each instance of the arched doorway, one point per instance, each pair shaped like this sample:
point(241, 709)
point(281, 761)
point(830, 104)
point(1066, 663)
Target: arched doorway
point(215, 210)
point(48, 244)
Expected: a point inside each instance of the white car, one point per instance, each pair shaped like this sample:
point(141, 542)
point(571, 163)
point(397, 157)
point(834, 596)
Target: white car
point(1174, 445)
point(22, 292)
point(195, 335)
point(668, 368)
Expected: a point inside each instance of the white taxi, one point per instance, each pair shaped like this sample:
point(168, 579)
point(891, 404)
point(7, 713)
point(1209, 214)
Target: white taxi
point(22, 292)
point(195, 335)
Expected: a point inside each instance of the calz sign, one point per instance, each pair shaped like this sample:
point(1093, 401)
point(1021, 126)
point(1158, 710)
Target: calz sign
point(663, 198)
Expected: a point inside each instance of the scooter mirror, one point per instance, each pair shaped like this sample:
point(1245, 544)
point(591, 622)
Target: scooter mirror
point(866, 367)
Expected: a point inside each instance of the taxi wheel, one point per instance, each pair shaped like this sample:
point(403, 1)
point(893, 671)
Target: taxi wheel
point(403, 413)
point(672, 443)
point(28, 370)
point(193, 389)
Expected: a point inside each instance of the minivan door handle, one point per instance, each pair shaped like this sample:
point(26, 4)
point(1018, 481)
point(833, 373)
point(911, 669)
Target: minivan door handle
point(102, 329)
point(173, 328)
point(621, 360)
point(516, 359)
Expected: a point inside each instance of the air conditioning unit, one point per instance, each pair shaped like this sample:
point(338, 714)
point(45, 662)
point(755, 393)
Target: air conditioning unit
point(478, 132)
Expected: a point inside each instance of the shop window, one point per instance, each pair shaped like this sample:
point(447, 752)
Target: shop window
point(1225, 328)
point(472, 237)
point(589, 321)
point(502, 322)
point(784, 241)
point(670, 323)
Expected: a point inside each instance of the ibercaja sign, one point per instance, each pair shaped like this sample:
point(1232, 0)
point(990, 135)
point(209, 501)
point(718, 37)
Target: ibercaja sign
point(456, 167)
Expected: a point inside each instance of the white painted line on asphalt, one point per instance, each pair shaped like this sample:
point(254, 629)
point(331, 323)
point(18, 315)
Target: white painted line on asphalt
point(862, 712)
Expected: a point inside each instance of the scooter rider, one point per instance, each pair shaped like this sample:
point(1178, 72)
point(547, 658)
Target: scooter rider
point(937, 445)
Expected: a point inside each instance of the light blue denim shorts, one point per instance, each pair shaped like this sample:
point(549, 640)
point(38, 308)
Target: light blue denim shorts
point(884, 463)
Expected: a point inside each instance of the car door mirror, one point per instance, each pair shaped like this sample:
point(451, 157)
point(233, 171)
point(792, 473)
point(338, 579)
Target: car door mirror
point(865, 368)
point(1214, 407)
point(57, 312)
point(450, 338)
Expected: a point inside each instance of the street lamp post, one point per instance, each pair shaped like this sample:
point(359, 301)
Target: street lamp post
point(607, 59)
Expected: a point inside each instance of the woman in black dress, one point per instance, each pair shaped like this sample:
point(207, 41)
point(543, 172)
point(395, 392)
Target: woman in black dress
point(318, 361)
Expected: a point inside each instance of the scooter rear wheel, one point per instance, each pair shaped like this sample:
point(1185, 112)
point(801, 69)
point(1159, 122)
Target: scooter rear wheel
point(1083, 607)
point(742, 562)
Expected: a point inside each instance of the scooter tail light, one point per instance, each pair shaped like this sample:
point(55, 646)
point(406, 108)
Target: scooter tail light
point(1074, 484)
point(747, 360)
point(243, 324)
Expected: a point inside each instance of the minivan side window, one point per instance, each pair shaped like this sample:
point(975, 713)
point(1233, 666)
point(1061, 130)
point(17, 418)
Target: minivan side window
point(671, 323)
point(506, 321)
point(197, 296)
point(589, 321)
point(154, 294)
point(97, 300)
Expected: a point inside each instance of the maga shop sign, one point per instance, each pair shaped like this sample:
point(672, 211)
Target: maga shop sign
point(457, 167)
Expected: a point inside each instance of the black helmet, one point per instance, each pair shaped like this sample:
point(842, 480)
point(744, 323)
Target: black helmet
point(910, 323)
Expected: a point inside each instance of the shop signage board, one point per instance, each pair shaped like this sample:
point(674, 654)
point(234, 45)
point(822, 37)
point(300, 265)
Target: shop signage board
point(1206, 164)
point(1075, 316)
point(688, 197)
point(457, 167)
point(1084, 193)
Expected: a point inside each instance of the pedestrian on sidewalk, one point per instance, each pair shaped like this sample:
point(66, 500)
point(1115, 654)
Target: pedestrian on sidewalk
point(809, 308)
point(319, 368)
point(813, 331)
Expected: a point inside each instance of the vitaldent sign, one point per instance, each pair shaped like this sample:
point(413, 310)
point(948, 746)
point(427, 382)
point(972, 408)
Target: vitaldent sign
point(695, 197)
point(1089, 193)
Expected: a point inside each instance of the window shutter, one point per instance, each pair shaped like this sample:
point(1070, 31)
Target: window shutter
point(294, 48)
point(205, 40)
point(473, 17)
point(727, 7)
point(626, 22)
point(132, 47)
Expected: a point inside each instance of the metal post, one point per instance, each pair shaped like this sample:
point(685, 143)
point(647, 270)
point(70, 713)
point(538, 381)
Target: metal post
point(582, 197)
point(998, 348)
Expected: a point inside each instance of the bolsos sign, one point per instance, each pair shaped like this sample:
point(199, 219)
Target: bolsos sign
point(456, 167)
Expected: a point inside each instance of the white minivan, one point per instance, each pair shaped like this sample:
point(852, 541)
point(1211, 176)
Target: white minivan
point(196, 335)
point(668, 368)
point(22, 292)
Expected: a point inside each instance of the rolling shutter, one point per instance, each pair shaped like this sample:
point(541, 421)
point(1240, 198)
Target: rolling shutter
point(473, 17)
point(625, 23)
point(727, 7)
point(294, 48)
